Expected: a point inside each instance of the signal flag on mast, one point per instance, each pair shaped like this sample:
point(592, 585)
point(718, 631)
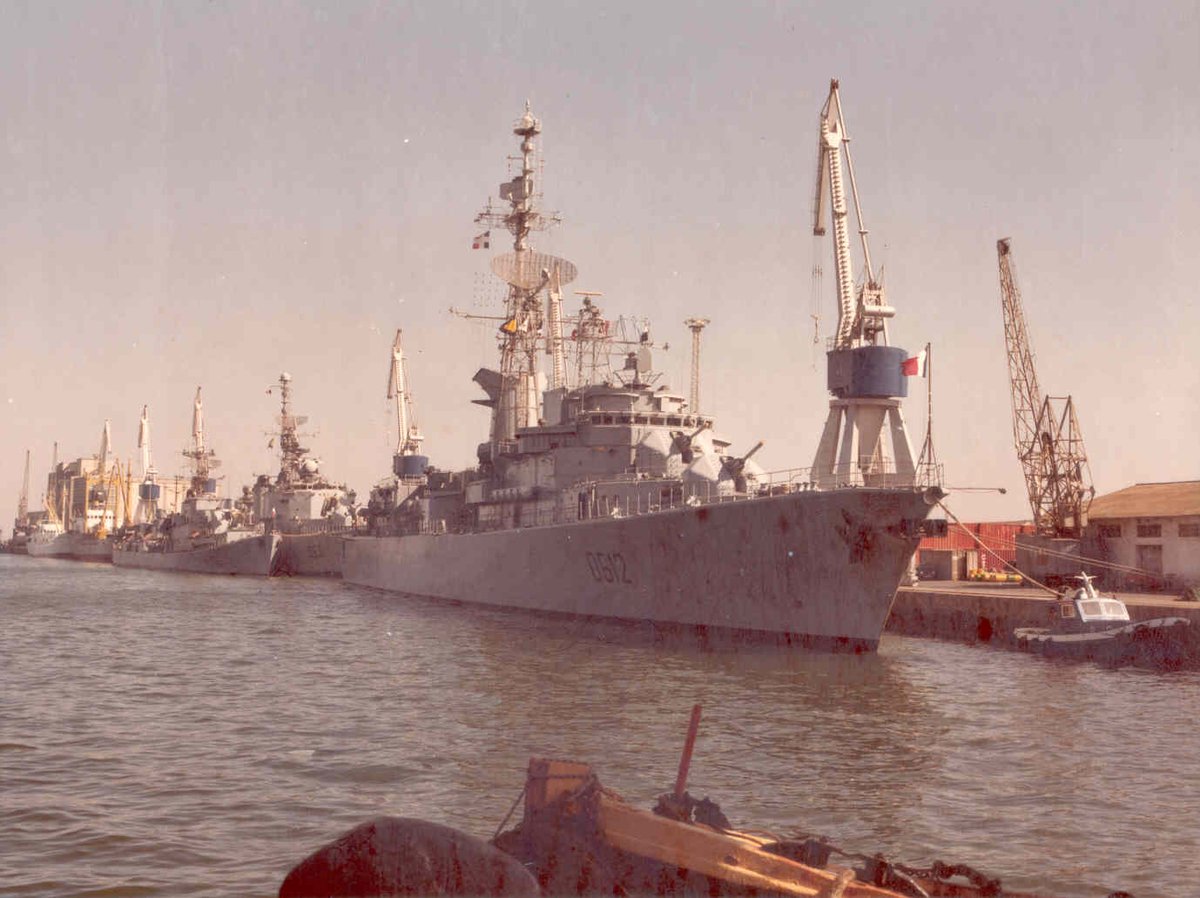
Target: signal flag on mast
point(482, 241)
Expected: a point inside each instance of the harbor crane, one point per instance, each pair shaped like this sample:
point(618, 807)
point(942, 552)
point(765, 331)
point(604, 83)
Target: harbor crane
point(407, 461)
point(865, 375)
point(22, 518)
point(1046, 430)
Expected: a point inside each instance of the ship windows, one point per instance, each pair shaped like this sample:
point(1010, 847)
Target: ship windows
point(626, 419)
point(1153, 531)
point(674, 421)
point(641, 419)
point(608, 419)
point(1189, 530)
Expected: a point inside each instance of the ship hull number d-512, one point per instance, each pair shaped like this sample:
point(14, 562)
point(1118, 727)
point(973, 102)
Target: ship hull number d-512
point(608, 567)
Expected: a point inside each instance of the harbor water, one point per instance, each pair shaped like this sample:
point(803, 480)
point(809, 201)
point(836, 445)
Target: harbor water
point(174, 735)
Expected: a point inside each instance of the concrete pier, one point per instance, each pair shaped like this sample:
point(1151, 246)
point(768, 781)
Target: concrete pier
point(989, 612)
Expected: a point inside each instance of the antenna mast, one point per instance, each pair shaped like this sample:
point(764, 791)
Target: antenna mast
point(290, 451)
point(203, 460)
point(527, 273)
point(696, 325)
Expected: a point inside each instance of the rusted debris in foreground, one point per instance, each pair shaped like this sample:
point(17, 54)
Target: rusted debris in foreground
point(577, 837)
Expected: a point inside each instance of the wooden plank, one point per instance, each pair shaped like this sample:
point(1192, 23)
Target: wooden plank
point(712, 853)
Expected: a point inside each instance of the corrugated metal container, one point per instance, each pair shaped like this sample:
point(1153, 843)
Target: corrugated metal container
point(999, 539)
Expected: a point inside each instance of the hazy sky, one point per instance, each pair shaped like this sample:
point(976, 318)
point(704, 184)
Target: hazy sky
point(212, 193)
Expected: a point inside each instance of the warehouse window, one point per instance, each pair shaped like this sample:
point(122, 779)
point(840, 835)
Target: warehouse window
point(1192, 530)
point(1111, 531)
point(1149, 530)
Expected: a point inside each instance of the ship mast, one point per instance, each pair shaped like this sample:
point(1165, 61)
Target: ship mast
point(203, 460)
point(527, 273)
point(290, 451)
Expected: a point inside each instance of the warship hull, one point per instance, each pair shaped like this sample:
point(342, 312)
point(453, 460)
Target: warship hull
point(74, 546)
point(253, 556)
point(309, 555)
point(818, 569)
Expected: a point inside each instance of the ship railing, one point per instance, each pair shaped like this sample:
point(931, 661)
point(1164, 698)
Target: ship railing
point(774, 483)
point(317, 525)
point(626, 496)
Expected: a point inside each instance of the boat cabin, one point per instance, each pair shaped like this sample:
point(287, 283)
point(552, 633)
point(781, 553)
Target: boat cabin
point(1085, 606)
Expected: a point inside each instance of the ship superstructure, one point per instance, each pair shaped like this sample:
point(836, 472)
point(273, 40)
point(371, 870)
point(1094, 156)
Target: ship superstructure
point(308, 510)
point(300, 494)
point(609, 495)
point(210, 533)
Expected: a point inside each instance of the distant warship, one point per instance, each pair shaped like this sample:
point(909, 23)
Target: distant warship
point(210, 534)
point(601, 493)
point(308, 511)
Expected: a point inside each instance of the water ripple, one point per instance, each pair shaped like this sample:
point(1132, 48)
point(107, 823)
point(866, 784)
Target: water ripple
point(173, 735)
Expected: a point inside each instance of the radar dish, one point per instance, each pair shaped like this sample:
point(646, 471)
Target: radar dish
point(524, 269)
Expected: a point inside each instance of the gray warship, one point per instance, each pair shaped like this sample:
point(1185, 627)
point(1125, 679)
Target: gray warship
point(309, 512)
point(210, 534)
point(603, 494)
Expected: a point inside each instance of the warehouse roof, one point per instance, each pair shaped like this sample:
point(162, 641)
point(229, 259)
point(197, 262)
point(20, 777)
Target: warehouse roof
point(1149, 500)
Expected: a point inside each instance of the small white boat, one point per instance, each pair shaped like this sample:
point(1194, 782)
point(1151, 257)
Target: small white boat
point(1094, 627)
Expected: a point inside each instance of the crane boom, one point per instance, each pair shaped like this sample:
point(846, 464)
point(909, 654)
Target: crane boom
point(1026, 393)
point(408, 435)
point(23, 499)
point(1046, 432)
point(862, 310)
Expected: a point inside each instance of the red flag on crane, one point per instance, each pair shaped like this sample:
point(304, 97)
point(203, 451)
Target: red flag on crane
point(482, 241)
point(916, 366)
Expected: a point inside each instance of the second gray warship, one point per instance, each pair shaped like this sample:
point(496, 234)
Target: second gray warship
point(308, 511)
point(601, 493)
point(210, 534)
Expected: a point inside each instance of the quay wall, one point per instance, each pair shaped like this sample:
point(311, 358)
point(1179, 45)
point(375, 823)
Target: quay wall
point(988, 613)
